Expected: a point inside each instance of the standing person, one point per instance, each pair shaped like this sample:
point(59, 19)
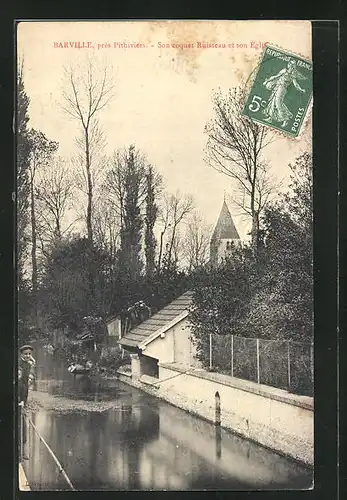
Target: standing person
point(26, 377)
point(26, 368)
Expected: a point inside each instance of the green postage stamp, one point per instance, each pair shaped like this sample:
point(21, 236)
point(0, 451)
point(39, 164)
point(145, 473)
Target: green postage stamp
point(281, 91)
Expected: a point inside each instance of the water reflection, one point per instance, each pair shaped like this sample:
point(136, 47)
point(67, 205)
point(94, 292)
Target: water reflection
point(218, 442)
point(144, 443)
point(97, 450)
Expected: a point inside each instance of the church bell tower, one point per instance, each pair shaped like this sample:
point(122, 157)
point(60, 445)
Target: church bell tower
point(224, 237)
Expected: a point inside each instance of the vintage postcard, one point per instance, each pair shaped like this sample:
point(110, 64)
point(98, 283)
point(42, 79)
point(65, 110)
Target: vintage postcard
point(164, 255)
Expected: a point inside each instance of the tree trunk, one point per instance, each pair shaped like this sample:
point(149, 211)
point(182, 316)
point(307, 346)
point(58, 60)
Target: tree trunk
point(90, 189)
point(33, 252)
point(91, 263)
point(57, 228)
point(255, 232)
point(160, 250)
point(255, 218)
point(171, 246)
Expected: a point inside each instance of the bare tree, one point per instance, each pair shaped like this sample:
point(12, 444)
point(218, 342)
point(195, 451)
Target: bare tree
point(54, 194)
point(106, 225)
point(116, 179)
point(164, 216)
point(177, 247)
point(86, 93)
point(176, 207)
point(196, 241)
point(153, 181)
point(235, 147)
point(41, 151)
point(115, 184)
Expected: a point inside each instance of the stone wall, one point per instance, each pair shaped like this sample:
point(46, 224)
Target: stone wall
point(269, 416)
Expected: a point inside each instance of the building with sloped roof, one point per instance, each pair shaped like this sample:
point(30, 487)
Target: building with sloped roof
point(163, 338)
point(166, 336)
point(224, 237)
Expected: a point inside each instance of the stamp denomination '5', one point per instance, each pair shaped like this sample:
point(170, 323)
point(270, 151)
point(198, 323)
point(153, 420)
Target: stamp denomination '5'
point(281, 91)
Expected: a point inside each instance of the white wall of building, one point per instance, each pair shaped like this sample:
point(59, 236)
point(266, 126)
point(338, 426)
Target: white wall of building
point(176, 346)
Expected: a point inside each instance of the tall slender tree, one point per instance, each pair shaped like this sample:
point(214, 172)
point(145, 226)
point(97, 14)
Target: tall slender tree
point(41, 151)
point(114, 186)
point(130, 251)
point(85, 94)
point(176, 208)
point(196, 241)
point(153, 185)
point(23, 185)
point(54, 195)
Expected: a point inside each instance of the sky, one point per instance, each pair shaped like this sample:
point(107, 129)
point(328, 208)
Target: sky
point(162, 95)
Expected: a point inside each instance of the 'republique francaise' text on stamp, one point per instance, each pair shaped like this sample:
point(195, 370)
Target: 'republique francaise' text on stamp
point(281, 92)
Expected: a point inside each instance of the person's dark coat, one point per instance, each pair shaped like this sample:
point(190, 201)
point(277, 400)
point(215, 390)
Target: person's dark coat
point(27, 375)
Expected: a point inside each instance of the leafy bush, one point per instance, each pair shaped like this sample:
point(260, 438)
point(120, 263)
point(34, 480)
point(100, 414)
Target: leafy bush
point(111, 358)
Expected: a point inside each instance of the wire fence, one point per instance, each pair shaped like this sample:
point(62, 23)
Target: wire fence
point(285, 364)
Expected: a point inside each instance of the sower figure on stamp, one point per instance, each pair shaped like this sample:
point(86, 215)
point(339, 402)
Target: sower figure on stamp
point(26, 377)
point(276, 110)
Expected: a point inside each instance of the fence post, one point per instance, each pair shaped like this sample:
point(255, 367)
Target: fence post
point(288, 365)
point(210, 351)
point(258, 366)
point(232, 355)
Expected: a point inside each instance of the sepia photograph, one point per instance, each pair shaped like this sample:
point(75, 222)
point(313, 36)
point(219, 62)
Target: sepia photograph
point(164, 255)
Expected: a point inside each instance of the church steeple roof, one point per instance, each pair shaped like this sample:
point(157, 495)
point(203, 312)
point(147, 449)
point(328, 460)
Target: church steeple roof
point(225, 227)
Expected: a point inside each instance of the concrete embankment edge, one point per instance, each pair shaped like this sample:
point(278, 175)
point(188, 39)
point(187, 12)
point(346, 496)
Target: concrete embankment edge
point(22, 479)
point(278, 438)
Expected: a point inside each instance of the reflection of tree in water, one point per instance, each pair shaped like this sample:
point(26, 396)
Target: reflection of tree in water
point(51, 371)
point(140, 422)
point(218, 442)
point(133, 456)
point(140, 425)
point(93, 431)
point(82, 385)
point(86, 384)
